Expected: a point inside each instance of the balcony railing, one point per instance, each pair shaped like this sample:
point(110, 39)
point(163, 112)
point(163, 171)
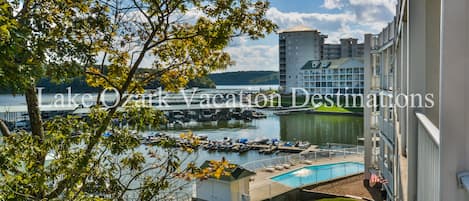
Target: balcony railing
point(375, 82)
point(428, 174)
point(387, 128)
point(388, 176)
point(374, 120)
point(387, 82)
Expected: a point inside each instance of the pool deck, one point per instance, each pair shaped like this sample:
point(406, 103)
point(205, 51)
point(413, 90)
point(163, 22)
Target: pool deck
point(262, 187)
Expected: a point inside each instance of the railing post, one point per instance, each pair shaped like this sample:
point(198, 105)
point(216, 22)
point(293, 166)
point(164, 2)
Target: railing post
point(270, 191)
point(316, 177)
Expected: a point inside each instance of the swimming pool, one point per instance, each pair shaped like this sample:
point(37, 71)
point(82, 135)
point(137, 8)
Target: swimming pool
point(318, 173)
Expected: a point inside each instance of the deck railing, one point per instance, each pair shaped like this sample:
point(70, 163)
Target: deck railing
point(301, 157)
point(428, 169)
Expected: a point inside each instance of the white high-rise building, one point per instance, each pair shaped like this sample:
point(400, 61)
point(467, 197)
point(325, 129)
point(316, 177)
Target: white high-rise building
point(300, 44)
point(297, 46)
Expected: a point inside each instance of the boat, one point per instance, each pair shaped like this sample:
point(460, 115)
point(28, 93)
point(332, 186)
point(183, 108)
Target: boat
point(179, 115)
point(243, 148)
point(247, 114)
point(236, 113)
point(258, 115)
point(207, 115)
point(202, 137)
point(158, 134)
point(260, 141)
point(227, 140)
point(288, 144)
point(275, 142)
point(23, 125)
point(213, 147)
point(302, 144)
point(235, 148)
point(243, 141)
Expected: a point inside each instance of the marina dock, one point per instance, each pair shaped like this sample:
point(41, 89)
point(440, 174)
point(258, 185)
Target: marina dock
point(232, 146)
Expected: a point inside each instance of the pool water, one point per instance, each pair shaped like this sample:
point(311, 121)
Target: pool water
point(318, 173)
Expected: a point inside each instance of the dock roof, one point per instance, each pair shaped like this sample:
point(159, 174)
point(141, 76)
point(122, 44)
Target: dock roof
point(237, 172)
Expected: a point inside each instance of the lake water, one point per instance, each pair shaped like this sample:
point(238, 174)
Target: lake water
point(315, 128)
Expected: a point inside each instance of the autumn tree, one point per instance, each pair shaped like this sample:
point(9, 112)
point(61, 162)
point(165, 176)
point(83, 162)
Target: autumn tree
point(62, 39)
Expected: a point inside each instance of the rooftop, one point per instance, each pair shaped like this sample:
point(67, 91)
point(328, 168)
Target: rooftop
point(298, 28)
point(237, 172)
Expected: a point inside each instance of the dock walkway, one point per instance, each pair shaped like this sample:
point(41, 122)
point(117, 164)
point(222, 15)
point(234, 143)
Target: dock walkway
point(311, 148)
point(270, 148)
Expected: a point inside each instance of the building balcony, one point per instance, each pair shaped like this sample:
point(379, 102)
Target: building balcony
point(428, 178)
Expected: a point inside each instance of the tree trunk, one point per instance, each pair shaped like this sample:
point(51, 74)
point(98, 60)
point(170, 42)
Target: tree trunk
point(4, 129)
point(37, 130)
point(34, 112)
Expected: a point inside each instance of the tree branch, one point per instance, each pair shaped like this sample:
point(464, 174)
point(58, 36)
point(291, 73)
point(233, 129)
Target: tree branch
point(102, 76)
point(4, 129)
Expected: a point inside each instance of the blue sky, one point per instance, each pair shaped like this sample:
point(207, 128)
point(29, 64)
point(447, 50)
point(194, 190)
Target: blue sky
point(335, 18)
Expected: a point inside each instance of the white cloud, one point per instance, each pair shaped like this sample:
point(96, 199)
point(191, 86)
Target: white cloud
point(356, 17)
point(333, 4)
point(253, 57)
point(388, 4)
point(287, 19)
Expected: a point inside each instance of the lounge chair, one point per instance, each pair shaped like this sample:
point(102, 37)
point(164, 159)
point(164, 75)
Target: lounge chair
point(308, 162)
point(279, 167)
point(269, 169)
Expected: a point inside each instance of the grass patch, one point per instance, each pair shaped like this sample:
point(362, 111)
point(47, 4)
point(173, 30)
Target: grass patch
point(337, 199)
point(324, 108)
point(287, 101)
point(335, 108)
